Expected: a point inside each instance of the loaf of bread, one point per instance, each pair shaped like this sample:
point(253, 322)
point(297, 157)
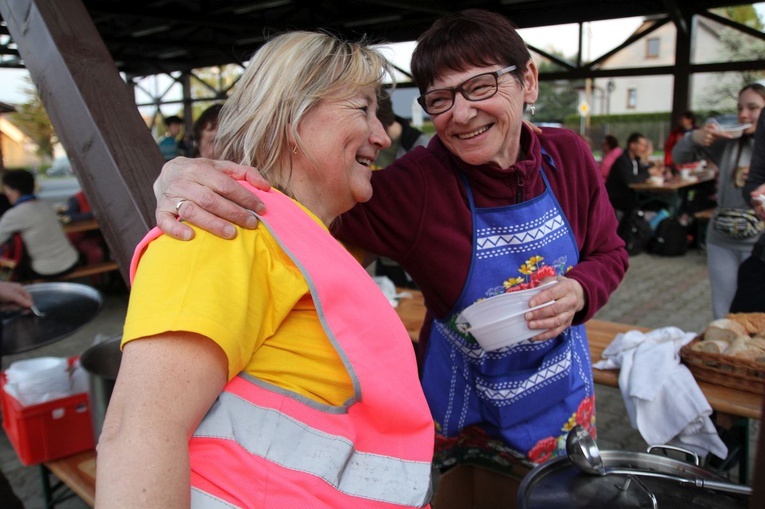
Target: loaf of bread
point(738, 345)
point(724, 329)
point(746, 347)
point(758, 342)
point(751, 354)
point(752, 322)
point(710, 346)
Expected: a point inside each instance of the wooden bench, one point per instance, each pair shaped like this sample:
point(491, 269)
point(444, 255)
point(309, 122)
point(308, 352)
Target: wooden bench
point(77, 473)
point(90, 270)
point(83, 271)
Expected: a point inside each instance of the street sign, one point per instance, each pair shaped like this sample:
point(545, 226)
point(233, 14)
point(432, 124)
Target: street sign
point(583, 108)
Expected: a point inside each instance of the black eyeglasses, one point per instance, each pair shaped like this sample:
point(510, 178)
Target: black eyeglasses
point(477, 88)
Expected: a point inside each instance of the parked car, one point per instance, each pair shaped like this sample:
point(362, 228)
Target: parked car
point(61, 167)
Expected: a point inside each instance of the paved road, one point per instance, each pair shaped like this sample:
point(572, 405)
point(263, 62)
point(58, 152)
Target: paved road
point(657, 292)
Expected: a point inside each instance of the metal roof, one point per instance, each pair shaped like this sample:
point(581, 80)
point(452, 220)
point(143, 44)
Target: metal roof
point(158, 36)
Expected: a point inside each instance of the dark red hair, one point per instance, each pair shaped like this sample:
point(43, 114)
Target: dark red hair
point(471, 38)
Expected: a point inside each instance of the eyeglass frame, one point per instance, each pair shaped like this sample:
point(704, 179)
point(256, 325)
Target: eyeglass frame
point(458, 88)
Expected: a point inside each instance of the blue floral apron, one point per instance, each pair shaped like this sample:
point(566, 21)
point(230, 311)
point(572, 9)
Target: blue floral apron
point(517, 404)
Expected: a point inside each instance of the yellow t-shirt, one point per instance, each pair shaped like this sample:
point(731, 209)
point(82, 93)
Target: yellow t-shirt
point(247, 296)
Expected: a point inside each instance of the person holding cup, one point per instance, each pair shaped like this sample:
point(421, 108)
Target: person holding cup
point(734, 228)
point(487, 207)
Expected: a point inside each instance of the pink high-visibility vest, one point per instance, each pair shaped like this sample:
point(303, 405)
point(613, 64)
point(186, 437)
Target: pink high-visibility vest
point(263, 446)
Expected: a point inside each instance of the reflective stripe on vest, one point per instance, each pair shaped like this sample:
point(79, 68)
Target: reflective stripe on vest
point(263, 446)
point(333, 458)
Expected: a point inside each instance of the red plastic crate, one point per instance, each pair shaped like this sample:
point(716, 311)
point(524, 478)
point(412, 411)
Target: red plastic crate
point(47, 431)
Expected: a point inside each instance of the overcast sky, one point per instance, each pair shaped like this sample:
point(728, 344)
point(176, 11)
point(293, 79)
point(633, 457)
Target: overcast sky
point(605, 35)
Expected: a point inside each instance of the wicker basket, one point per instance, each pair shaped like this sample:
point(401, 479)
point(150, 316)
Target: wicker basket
point(726, 370)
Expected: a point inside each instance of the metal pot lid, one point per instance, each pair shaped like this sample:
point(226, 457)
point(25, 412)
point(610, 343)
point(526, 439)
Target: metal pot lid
point(558, 484)
point(103, 359)
point(66, 308)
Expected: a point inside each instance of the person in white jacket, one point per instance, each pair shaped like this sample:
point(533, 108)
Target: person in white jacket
point(49, 252)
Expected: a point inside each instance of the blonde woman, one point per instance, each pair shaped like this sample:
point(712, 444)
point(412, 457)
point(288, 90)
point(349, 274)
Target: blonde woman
point(270, 371)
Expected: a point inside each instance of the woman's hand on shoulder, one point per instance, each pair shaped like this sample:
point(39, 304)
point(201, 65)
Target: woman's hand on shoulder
point(569, 298)
point(204, 192)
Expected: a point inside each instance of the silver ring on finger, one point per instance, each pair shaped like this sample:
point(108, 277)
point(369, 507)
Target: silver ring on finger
point(178, 207)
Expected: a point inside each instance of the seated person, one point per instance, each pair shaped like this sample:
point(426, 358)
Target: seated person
point(687, 124)
point(77, 209)
point(49, 253)
point(169, 144)
point(611, 152)
point(628, 169)
point(90, 244)
point(205, 129)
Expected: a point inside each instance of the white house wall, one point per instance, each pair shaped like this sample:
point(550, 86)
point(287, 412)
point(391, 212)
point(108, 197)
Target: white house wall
point(654, 93)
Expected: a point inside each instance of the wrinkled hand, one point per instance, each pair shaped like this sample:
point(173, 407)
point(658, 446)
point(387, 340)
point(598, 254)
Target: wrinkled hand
point(14, 295)
point(757, 203)
point(213, 199)
point(568, 295)
point(708, 134)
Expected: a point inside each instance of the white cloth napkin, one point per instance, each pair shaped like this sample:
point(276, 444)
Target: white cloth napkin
point(386, 285)
point(663, 400)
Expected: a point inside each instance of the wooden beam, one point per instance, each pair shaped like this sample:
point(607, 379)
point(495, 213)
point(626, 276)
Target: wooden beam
point(112, 151)
point(681, 95)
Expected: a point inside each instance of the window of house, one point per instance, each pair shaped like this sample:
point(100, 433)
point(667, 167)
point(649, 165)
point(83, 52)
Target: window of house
point(652, 47)
point(631, 98)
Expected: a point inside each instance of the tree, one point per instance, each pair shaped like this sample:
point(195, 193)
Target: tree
point(736, 46)
point(32, 118)
point(557, 99)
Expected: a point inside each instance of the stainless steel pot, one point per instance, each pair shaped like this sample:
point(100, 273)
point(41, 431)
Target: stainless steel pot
point(102, 362)
point(558, 484)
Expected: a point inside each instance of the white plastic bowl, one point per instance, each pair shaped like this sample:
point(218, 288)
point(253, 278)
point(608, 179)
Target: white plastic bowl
point(735, 130)
point(500, 306)
point(505, 332)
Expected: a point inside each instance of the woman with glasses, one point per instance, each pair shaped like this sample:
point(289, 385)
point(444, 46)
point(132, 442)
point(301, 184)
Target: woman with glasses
point(258, 373)
point(489, 206)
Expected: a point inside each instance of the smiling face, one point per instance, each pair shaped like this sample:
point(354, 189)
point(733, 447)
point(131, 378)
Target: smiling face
point(340, 141)
point(750, 104)
point(488, 131)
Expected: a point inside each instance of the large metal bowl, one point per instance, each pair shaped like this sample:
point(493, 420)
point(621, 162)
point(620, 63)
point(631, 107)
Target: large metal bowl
point(558, 484)
point(66, 308)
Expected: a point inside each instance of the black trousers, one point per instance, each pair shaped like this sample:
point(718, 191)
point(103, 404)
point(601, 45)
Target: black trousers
point(750, 293)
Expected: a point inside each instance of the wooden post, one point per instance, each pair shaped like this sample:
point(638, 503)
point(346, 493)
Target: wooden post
point(112, 151)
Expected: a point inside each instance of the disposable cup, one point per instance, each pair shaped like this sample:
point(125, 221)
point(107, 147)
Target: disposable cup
point(496, 308)
point(506, 332)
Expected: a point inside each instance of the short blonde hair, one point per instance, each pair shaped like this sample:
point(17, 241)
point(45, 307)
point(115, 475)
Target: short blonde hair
point(284, 80)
